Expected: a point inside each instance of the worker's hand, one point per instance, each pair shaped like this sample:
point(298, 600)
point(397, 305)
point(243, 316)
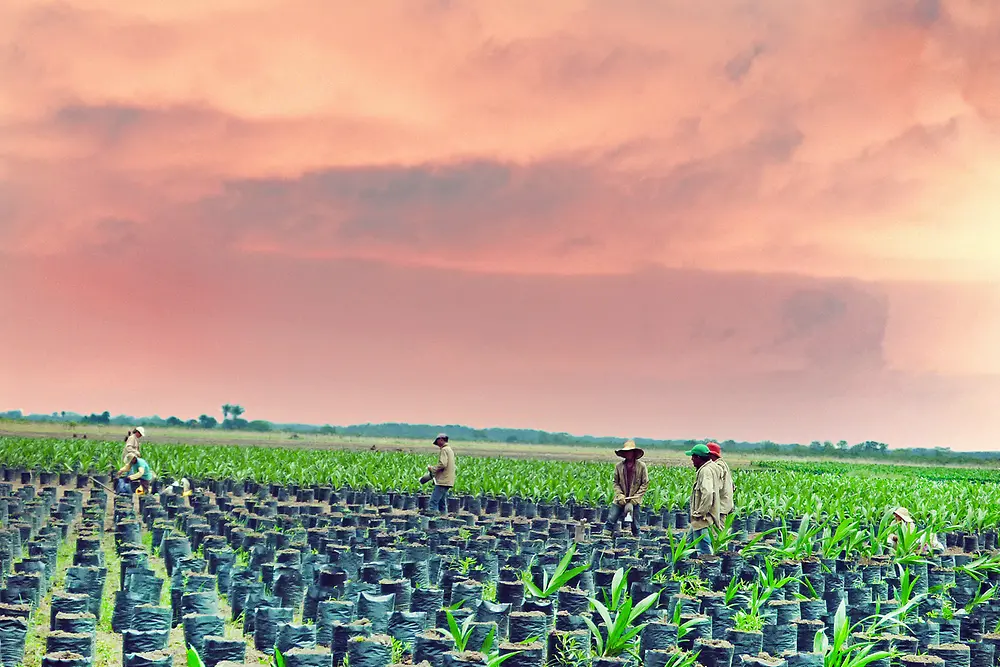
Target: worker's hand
point(430, 469)
point(619, 499)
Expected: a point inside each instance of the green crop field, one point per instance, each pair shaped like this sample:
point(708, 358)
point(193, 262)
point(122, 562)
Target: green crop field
point(327, 555)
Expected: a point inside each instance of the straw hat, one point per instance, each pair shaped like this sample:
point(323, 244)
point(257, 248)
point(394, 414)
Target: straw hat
point(903, 514)
point(629, 446)
point(141, 430)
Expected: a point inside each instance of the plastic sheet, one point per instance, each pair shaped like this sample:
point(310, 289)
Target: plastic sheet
point(202, 603)
point(954, 655)
point(981, 654)
point(25, 588)
point(199, 626)
point(573, 600)
point(67, 603)
point(307, 658)
point(376, 608)
point(64, 659)
point(266, 622)
point(12, 635)
point(88, 580)
point(406, 625)
point(746, 643)
point(144, 641)
point(220, 649)
point(288, 586)
point(123, 610)
point(714, 652)
point(525, 625)
point(329, 612)
point(427, 600)
point(76, 623)
point(343, 633)
point(152, 659)
point(920, 661)
point(495, 612)
point(291, 636)
point(147, 617)
point(657, 636)
point(524, 655)
point(780, 639)
point(374, 651)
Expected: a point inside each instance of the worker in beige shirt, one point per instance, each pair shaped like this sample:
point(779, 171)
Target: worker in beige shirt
point(726, 486)
point(444, 475)
point(704, 507)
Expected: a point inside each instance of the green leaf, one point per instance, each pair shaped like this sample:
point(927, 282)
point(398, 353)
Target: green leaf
point(194, 660)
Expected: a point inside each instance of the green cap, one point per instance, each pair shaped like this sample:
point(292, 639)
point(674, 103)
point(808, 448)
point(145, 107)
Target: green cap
point(698, 450)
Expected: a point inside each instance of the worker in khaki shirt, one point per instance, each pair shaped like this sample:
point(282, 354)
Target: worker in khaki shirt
point(631, 481)
point(444, 475)
point(726, 486)
point(704, 507)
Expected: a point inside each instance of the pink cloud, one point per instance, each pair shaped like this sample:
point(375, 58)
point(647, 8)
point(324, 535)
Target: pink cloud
point(746, 169)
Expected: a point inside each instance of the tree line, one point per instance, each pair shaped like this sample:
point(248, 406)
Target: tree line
point(232, 419)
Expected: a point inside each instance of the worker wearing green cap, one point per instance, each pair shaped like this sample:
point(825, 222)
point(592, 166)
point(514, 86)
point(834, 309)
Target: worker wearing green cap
point(704, 509)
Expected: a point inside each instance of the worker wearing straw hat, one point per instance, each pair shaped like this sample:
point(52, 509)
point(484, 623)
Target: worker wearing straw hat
point(631, 479)
point(725, 478)
point(443, 474)
point(901, 516)
point(704, 507)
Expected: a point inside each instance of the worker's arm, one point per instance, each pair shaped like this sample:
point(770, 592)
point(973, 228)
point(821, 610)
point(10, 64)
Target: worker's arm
point(139, 473)
point(619, 491)
point(643, 475)
point(442, 462)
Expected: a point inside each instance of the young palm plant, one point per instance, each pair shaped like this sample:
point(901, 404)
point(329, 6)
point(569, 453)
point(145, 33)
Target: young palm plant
point(620, 631)
point(560, 577)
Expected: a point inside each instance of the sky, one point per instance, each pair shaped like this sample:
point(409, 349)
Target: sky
point(740, 219)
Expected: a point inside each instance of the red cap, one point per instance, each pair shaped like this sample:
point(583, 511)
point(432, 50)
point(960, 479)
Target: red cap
point(715, 449)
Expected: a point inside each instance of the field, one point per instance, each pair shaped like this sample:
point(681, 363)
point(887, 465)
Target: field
point(324, 553)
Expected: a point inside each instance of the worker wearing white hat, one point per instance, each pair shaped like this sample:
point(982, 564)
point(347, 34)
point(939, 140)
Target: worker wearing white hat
point(131, 449)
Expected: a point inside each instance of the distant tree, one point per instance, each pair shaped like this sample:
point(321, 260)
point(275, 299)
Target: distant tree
point(258, 425)
point(191, 423)
point(842, 445)
point(206, 421)
point(174, 421)
point(328, 430)
point(236, 411)
point(511, 438)
point(225, 411)
point(815, 447)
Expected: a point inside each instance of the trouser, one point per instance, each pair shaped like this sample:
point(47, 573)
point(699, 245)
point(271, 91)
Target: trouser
point(439, 499)
point(617, 513)
point(704, 546)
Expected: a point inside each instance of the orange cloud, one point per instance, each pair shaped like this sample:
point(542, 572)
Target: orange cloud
point(839, 154)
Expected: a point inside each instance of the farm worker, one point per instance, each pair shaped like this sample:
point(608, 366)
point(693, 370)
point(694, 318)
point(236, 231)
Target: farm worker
point(901, 515)
point(444, 474)
point(705, 501)
point(631, 480)
point(131, 447)
point(140, 474)
point(726, 487)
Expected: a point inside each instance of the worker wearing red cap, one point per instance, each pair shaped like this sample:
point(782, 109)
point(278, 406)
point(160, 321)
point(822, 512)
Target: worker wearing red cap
point(725, 477)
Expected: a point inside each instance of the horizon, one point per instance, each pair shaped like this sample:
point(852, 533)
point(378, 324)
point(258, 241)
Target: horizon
point(764, 221)
point(58, 416)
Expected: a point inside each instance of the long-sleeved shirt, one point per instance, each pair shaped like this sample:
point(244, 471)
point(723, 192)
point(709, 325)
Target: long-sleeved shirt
point(635, 487)
point(444, 471)
point(725, 481)
point(704, 507)
point(131, 449)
